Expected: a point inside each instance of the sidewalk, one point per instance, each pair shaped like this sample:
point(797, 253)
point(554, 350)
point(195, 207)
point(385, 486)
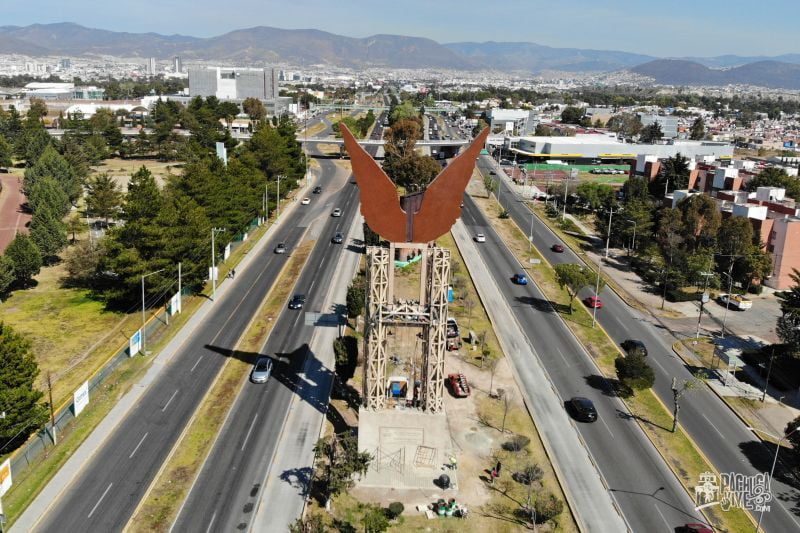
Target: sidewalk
point(81, 457)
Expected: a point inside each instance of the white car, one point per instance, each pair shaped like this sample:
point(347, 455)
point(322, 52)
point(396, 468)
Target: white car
point(480, 237)
point(305, 201)
point(336, 212)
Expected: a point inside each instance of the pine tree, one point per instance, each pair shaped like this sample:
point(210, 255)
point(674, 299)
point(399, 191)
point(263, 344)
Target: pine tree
point(6, 274)
point(25, 257)
point(103, 196)
point(52, 164)
point(18, 397)
point(48, 233)
point(5, 152)
point(32, 142)
point(45, 193)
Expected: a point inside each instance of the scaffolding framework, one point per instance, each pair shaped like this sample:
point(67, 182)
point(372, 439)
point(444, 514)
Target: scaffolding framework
point(429, 313)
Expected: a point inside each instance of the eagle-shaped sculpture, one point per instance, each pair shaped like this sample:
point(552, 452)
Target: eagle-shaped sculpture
point(418, 217)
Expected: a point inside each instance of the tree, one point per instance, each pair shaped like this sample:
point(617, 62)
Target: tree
point(651, 133)
point(32, 142)
point(342, 461)
point(18, 397)
point(103, 197)
point(25, 257)
point(395, 509)
point(634, 372)
point(701, 221)
point(53, 164)
point(402, 137)
point(48, 233)
point(595, 195)
point(374, 518)
point(574, 278)
point(74, 225)
point(572, 115)
point(547, 507)
point(628, 124)
point(356, 298)
point(677, 393)
point(37, 109)
point(674, 173)
point(543, 130)
point(311, 523)
point(6, 274)
point(5, 153)
point(412, 171)
point(47, 194)
point(82, 262)
point(698, 130)
point(254, 109)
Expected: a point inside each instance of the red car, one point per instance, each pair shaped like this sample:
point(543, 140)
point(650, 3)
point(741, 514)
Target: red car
point(593, 302)
point(557, 248)
point(459, 385)
point(695, 528)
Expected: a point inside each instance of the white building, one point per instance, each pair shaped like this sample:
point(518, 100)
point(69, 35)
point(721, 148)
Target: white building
point(513, 121)
point(234, 83)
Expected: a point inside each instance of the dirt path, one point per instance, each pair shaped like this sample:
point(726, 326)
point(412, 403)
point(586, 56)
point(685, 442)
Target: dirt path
point(12, 218)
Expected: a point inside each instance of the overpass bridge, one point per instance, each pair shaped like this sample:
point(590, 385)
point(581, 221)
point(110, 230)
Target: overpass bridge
point(376, 108)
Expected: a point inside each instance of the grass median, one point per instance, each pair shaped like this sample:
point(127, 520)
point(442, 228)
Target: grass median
point(681, 454)
point(160, 507)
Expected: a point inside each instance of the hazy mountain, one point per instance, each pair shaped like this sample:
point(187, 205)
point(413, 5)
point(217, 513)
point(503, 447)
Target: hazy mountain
point(10, 45)
point(774, 74)
point(727, 61)
point(534, 57)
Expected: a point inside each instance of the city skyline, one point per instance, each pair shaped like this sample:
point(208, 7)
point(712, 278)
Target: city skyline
point(689, 29)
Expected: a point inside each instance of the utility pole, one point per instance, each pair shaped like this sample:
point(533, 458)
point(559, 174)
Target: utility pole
point(566, 188)
point(633, 244)
point(769, 371)
point(144, 351)
point(530, 235)
point(52, 413)
point(728, 299)
point(278, 200)
point(596, 291)
point(608, 236)
point(702, 302)
point(214, 263)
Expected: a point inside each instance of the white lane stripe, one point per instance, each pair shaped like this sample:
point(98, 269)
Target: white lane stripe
point(169, 401)
point(137, 446)
point(712, 425)
point(252, 424)
point(669, 527)
point(100, 500)
point(211, 522)
point(197, 363)
point(606, 425)
point(562, 356)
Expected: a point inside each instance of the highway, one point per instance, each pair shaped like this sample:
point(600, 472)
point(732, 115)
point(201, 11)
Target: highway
point(105, 494)
point(719, 433)
point(225, 494)
point(647, 493)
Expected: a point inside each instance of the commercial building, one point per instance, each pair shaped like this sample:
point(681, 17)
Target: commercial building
point(669, 125)
point(234, 83)
point(150, 67)
point(177, 64)
point(513, 121)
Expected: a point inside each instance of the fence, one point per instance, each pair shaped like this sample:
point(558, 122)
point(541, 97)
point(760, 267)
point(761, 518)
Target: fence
point(155, 327)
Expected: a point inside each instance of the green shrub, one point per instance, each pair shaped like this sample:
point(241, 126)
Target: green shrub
point(394, 510)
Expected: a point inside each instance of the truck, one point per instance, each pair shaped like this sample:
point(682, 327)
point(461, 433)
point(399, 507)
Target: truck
point(736, 301)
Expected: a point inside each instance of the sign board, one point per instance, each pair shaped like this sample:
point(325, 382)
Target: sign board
point(227, 253)
point(535, 261)
point(5, 476)
point(213, 273)
point(135, 343)
point(175, 304)
point(573, 173)
point(244, 237)
point(80, 398)
point(705, 298)
point(222, 153)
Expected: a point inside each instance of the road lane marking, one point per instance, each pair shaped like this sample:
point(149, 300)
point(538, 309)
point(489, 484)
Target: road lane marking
point(562, 356)
point(211, 522)
point(100, 500)
point(169, 401)
point(669, 527)
point(197, 363)
point(137, 446)
point(608, 428)
point(712, 425)
point(252, 424)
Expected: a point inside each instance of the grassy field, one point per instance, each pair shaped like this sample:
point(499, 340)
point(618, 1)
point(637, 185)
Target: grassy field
point(160, 507)
point(680, 453)
point(121, 169)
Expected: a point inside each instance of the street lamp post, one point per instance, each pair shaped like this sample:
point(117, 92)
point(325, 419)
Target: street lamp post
point(566, 188)
point(769, 371)
point(596, 291)
point(278, 200)
point(214, 231)
point(772, 470)
point(608, 236)
point(727, 300)
point(144, 349)
point(702, 301)
point(633, 243)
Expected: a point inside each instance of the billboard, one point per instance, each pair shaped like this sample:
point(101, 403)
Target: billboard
point(174, 304)
point(5, 476)
point(80, 399)
point(227, 253)
point(213, 273)
point(135, 343)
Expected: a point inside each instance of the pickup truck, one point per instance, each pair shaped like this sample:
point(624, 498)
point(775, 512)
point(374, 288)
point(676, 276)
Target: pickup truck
point(737, 301)
point(459, 385)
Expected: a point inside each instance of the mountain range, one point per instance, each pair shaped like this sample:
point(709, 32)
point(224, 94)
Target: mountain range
point(267, 45)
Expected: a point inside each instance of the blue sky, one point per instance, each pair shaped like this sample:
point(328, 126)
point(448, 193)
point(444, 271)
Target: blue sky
point(665, 28)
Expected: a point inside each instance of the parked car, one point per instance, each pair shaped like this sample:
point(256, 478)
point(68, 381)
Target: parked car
point(458, 385)
point(582, 409)
point(557, 248)
point(336, 212)
point(338, 238)
point(593, 302)
point(452, 328)
point(317, 189)
point(632, 346)
point(480, 237)
point(519, 279)
point(281, 248)
point(261, 370)
point(297, 301)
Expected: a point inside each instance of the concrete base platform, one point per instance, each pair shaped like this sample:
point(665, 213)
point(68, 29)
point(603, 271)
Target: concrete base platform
point(411, 449)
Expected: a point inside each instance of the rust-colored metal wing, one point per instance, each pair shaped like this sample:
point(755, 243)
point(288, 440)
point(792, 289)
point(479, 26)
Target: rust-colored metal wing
point(441, 205)
point(379, 202)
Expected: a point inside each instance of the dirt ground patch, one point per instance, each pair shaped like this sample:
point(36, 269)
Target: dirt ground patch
point(121, 170)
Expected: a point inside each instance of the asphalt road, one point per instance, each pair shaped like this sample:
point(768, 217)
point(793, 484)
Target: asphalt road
point(647, 493)
point(105, 494)
point(225, 493)
point(722, 436)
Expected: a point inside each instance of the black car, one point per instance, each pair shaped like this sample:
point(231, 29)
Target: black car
point(632, 346)
point(317, 189)
point(297, 301)
point(582, 409)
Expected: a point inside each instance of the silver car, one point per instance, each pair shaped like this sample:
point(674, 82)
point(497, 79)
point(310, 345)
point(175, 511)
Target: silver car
point(261, 370)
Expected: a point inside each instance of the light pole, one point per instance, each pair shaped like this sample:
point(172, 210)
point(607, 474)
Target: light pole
point(608, 236)
point(596, 295)
point(566, 188)
point(772, 470)
point(144, 350)
point(214, 231)
point(702, 301)
point(728, 299)
point(530, 236)
point(769, 371)
point(633, 243)
point(278, 200)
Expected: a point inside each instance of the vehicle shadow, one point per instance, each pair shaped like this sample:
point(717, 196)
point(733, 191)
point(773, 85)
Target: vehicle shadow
point(312, 388)
point(545, 306)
